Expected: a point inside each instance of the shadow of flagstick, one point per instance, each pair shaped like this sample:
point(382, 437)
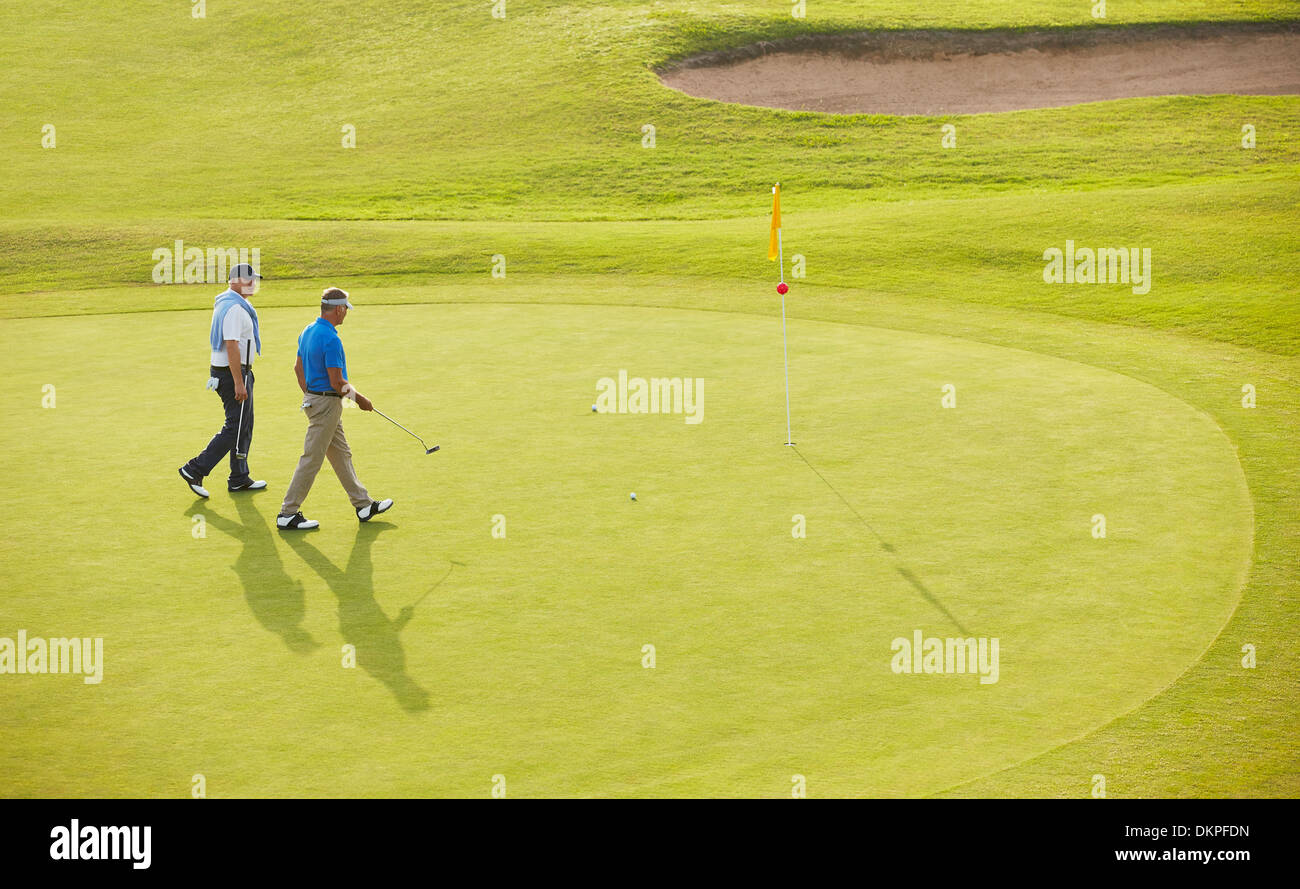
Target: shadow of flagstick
point(906, 574)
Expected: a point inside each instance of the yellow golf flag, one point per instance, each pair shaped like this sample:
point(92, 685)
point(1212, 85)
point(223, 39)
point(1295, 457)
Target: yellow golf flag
point(773, 240)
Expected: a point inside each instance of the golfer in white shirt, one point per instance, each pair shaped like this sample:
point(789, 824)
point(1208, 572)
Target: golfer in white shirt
point(233, 338)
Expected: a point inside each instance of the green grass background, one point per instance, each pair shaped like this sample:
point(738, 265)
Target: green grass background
point(772, 651)
point(523, 137)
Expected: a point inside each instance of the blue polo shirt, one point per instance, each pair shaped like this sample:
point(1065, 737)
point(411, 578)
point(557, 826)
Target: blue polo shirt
point(319, 347)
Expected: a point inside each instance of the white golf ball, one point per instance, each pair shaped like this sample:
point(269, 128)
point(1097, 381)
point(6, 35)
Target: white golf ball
point(633, 495)
point(593, 408)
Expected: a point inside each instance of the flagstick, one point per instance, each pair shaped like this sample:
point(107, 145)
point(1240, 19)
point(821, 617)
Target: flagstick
point(784, 348)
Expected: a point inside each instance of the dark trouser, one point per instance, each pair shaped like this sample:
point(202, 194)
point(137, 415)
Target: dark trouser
point(224, 441)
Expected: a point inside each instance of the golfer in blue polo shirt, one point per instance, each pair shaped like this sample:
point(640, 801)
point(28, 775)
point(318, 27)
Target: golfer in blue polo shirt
point(322, 373)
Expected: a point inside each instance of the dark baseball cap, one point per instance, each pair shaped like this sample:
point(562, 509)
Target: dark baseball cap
point(244, 271)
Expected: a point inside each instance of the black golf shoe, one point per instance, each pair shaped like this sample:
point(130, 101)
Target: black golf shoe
point(250, 485)
point(295, 522)
point(366, 513)
point(193, 483)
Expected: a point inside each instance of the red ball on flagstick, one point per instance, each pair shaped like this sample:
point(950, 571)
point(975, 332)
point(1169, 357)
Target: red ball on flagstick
point(782, 288)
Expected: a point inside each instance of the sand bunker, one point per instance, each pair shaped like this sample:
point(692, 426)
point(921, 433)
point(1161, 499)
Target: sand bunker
point(969, 72)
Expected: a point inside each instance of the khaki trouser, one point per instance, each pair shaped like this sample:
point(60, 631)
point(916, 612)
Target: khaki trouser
point(324, 439)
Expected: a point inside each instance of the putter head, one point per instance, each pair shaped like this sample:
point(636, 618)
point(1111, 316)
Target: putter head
point(432, 449)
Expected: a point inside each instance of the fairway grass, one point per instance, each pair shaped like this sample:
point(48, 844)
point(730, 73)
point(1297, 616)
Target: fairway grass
point(1221, 256)
point(542, 115)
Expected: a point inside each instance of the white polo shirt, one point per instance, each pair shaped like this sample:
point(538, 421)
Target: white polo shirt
point(237, 325)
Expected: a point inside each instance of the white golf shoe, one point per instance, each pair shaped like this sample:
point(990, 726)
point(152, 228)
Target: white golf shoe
point(366, 513)
point(295, 522)
point(193, 483)
point(258, 485)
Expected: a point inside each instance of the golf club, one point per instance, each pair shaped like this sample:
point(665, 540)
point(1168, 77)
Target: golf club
point(427, 449)
point(239, 433)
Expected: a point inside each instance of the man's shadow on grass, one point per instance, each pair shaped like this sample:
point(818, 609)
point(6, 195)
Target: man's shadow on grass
point(277, 600)
point(362, 622)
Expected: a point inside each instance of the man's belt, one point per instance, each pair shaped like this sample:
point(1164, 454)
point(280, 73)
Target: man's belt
point(330, 394)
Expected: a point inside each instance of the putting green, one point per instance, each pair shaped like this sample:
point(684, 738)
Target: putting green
point(223, 654)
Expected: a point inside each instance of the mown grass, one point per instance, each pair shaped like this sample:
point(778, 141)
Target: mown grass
point(523, 137)
point(539, 116)
point(1222, 255)
point(773, 652)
